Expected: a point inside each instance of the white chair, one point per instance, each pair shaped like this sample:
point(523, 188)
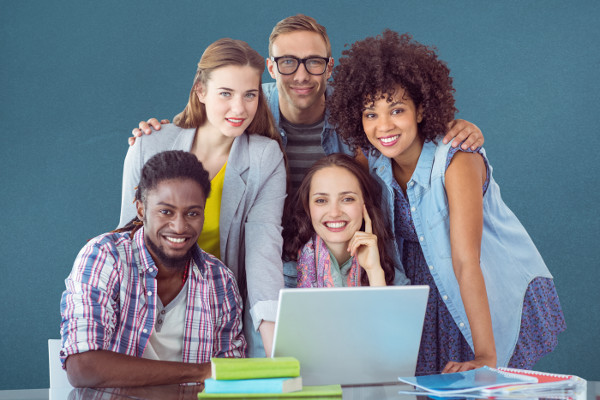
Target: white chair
point(58, 376)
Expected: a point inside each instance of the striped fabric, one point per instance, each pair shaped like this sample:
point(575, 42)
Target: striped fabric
point(110, 302)
point(303, 149)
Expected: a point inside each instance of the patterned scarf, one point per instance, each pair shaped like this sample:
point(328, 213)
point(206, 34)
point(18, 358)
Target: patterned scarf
point(314, 266)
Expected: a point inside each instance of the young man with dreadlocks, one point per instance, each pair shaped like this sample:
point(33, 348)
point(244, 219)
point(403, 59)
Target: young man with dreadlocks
point(144, 305)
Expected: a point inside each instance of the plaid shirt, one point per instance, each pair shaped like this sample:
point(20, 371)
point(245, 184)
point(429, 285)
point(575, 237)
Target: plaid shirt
point(110, 302)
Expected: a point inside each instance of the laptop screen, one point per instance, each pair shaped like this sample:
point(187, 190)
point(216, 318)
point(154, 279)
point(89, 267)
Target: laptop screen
point(351, 336)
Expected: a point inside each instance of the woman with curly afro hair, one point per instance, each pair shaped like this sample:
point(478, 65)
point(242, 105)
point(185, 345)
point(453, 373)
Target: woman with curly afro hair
point(492, 299)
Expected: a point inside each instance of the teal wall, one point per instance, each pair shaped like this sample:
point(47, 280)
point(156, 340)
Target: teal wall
point(77, 76)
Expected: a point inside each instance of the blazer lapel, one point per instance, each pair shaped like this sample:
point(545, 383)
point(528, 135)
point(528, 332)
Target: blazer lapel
point(234, 188)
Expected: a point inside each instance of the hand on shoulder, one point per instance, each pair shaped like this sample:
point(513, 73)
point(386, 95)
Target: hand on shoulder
point(146, 128)
point(466, 132)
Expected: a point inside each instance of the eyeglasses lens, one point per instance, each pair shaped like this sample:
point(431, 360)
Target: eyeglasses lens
point(314, 66)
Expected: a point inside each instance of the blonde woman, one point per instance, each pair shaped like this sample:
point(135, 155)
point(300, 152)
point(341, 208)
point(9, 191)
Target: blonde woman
point(227, 125)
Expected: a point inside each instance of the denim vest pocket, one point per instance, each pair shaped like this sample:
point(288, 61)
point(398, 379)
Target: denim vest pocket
point(436, 223)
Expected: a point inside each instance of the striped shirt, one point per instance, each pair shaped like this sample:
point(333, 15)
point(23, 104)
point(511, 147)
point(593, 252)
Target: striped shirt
point(111, 295)
point(303, 149)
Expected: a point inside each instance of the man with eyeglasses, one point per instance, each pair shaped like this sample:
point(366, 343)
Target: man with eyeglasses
point(300, 62)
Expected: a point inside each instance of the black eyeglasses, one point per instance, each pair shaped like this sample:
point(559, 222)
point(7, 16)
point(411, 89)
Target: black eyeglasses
point(287, 65)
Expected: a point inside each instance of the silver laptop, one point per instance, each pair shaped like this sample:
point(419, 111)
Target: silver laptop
point(351, 336)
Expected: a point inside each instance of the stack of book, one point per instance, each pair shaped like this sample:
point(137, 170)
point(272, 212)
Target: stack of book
point(264, 377)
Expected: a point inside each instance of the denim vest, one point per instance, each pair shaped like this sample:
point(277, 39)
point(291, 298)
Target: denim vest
point(509, 259)
point(330, 141)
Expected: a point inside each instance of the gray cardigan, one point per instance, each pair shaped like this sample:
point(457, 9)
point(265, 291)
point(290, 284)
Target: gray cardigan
point(251, 209)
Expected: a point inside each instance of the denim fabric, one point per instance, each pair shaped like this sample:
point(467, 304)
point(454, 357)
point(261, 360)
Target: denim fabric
point(255, 348)
point(509, 259)
point(330, 141)
point(290, 274)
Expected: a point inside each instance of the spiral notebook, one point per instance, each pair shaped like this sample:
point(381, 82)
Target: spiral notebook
point(493, 382)
point(465, 382)
point(545, 382)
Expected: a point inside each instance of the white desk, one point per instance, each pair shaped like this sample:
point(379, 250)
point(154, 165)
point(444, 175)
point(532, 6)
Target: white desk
point(189, 393)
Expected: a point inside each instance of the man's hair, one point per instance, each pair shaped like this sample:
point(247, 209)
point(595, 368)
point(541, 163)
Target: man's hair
point(297, 23)
point(174, 164)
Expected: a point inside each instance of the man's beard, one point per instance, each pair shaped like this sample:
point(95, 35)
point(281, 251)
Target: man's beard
point(166, 260)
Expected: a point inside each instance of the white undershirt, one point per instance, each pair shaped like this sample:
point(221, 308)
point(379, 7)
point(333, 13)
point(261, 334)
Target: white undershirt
point(166, 339)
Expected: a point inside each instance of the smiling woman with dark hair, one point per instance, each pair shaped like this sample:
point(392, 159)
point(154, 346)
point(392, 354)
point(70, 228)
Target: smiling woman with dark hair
point(493, 300)
point(335, 221)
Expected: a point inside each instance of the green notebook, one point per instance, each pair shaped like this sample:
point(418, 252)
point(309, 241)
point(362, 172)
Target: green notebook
point(314, 392)
point(253, 368)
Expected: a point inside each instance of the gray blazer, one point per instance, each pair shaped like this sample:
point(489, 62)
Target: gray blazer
point(251, 209)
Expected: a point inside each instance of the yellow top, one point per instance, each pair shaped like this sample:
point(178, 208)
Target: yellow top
point(209, 238)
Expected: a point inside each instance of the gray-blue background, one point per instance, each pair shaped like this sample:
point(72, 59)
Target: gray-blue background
point(77, 76)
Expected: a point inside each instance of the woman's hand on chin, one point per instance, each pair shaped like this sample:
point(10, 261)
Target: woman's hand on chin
point(363, 246)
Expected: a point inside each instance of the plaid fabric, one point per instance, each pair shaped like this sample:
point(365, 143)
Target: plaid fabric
point(110, 302)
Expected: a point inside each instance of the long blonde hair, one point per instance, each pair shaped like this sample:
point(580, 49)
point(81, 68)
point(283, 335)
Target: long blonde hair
point(222, 53)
